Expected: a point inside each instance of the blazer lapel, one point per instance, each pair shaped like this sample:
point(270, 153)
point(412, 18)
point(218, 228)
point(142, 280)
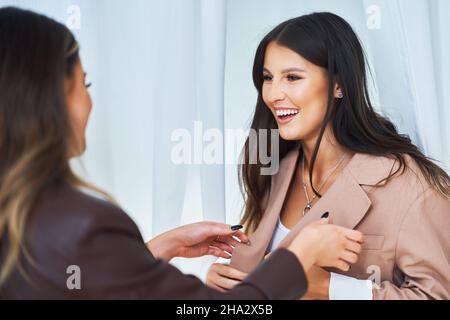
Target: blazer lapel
point(246, 258)
point(346, 200)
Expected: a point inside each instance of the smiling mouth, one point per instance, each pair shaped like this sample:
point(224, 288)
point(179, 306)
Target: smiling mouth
point(286, 114)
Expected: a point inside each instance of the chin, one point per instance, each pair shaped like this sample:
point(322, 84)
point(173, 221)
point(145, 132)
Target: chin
point(290, 134)
point(83, 148)
point(79, 151)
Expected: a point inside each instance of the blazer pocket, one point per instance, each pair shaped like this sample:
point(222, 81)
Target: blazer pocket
point(372, 242)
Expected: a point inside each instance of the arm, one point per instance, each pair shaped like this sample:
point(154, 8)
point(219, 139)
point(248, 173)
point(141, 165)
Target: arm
point(115, 263)
point(423, 251)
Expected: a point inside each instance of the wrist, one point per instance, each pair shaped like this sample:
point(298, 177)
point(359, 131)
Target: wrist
point(164, 246)
point(306, 259)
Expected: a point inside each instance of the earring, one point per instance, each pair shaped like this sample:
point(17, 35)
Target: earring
point(340, 95)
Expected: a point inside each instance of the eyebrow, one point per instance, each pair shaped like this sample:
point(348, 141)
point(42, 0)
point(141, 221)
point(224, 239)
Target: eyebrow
point(287, 70)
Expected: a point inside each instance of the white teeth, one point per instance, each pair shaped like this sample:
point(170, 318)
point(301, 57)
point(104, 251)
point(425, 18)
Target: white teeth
point(286, 112)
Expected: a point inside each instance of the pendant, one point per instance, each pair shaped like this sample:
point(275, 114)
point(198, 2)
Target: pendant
point(307, 208)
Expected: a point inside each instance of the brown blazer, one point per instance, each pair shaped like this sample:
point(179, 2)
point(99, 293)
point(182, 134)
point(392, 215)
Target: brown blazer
point(68, 227)
point(406, 225)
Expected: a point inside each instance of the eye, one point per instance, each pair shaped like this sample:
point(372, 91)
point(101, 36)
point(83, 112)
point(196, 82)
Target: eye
point(293, 77)
point(266, 77)
point(89, 84)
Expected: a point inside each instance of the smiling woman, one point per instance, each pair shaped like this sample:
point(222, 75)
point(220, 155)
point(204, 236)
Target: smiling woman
point(338, 155)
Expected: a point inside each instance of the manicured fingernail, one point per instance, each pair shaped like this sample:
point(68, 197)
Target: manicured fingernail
point(325, 215)
point(236, 227)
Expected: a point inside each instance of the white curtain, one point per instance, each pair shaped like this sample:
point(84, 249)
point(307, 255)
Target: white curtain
point(162, 65)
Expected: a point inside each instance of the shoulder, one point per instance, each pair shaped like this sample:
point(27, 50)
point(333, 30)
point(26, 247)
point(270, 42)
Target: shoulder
point(373, 170)
point(63, 213)
point(405, 183)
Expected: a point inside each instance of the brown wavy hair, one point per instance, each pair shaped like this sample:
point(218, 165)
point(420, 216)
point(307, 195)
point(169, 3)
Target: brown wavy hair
point(37, 55)
point(328, 41)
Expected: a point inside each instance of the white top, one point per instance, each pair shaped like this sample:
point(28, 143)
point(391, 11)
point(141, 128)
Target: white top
point(341, 287)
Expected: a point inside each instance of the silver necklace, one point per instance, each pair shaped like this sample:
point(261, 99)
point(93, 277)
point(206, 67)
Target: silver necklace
point(308, 201)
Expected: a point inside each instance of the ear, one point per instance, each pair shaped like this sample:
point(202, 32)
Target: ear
point(338, 94)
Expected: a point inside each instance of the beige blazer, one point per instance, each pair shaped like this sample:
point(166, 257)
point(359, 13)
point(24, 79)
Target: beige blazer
point(406, 224)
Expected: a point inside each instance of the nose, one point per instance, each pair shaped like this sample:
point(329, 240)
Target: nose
point(275, 93)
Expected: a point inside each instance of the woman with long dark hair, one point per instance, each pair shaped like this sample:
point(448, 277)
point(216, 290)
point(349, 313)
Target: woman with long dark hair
point(337, 154)
point(58, 242)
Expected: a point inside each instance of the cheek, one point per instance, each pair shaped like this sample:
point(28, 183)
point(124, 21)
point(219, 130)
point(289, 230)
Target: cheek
point(85, 106)
point(80, 109)
point(311, 97)
point(306, 93)
point(312, 101)
point(88, 106)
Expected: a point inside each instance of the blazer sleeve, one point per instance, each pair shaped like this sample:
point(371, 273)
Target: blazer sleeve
point(423, 251)
point(115, 263)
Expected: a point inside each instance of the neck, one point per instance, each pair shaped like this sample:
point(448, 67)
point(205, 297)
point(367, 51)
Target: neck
point(329, 154)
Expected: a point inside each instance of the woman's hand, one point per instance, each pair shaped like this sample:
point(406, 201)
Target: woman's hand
point(196, 240)
point(318, 284)
point(327, 245)
point(222, 277)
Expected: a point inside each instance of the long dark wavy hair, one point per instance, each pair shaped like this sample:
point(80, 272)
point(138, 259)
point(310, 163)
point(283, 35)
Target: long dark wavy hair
point(328, 41)
point(37, 55)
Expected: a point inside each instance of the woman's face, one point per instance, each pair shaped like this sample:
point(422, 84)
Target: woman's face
point(296, 91)
point(79, 104)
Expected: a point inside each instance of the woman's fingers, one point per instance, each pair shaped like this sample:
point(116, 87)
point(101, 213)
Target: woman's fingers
point(354, 235)
point(232, 273)
point(214, 251)
point(228, 240)
point(212, 285)
point(213, 276)
point(342, 265)
point(226, 283)
point(222, 245)
point(225, 230)
point(220, 276)
point(349, 256)
point(353, 246)
point(241, 236)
